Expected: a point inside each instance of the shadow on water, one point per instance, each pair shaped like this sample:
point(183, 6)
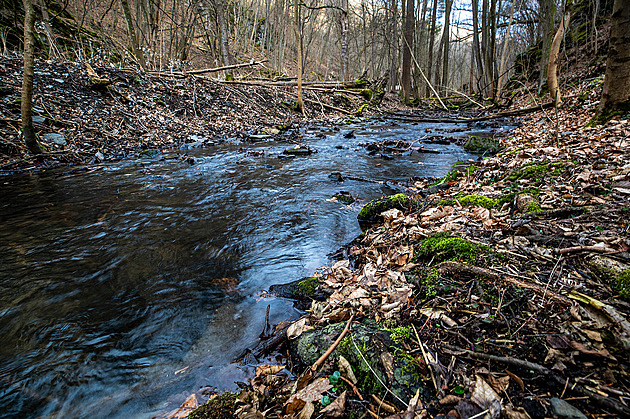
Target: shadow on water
point(122, 289)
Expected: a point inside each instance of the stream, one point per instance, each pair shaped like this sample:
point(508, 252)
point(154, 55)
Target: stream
point(124, 289)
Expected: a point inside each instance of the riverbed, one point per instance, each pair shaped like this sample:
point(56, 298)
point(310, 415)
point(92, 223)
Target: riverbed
point(125, 288)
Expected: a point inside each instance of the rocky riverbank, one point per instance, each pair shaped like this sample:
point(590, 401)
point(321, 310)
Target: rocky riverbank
point(499, 290)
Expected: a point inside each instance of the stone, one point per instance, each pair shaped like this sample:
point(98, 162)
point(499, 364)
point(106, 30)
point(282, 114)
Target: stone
point(565, 410)
point(482, 145)
point(55, 138)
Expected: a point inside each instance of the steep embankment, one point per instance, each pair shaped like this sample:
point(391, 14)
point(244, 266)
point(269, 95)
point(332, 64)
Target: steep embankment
point(79, 122)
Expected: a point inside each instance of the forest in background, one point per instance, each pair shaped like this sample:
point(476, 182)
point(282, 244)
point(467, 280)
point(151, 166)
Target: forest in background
point(425, 48)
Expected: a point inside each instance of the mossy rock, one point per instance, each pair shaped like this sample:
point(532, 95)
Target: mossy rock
point(443, 246)
point(482, 145)
point(298, 151)
point(303, 291)
point(150, 153)
point(371, 212)
point(344, 197)
point(221, 407)
point(401, 373)
point(472, 201)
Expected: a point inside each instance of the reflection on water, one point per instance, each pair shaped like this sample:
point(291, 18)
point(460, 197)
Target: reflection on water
point(113, 301)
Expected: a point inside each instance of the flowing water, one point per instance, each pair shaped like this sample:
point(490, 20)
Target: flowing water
point(123, 289)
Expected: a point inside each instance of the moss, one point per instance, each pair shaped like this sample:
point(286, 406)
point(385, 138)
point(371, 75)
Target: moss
point(307, 287)
point(221, 407)
point(476, 144)
point(366, 93)
point(472, 201)
point(621, 284)
point(372, 210)
point(362, 108)
point(400, 334)
point(442, 246)
point(532, 206)
point(601, 117)
point(533, 171)
point(450, 176)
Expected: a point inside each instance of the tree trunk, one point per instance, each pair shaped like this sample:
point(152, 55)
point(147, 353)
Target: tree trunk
point(431, 43)
point(394, 47)
point(344, 40)
point(226, 55)
point(298, 42)
point(616, 92)
point(476, 46)
point(132, 35)
point(547, 8)
point(504, 52)
point(407, 50)
point(27, 82)
point(445, 43)
point(554, 53)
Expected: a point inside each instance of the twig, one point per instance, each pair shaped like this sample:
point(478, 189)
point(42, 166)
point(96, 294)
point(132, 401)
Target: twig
point(330, 350)
point(575, 249)
point(426, 361)
point(354, 388)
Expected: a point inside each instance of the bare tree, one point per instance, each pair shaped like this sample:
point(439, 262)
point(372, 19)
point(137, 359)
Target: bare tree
point(27, 82)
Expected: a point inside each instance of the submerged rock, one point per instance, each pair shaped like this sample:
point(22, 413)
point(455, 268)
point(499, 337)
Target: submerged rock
point(344, 197)
point(299, 150)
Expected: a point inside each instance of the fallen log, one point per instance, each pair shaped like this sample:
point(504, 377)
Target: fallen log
point(504, 114)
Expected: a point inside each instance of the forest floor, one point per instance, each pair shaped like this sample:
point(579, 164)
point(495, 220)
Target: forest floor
point(81, 123)
point(502, 289)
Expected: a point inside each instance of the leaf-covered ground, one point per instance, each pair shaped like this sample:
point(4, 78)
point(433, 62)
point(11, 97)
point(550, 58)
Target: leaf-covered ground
point(81, 123)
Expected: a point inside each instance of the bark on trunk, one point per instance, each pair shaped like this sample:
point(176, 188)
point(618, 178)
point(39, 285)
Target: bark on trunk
point(132, 35)
point(554, 54)
point(407, 50)
point(298, 41)
point(431, 43)
point(616, 92)
point(344, 40)
point(27, 82)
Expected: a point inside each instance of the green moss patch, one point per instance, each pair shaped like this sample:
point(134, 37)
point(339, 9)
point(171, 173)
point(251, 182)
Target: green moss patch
point(472, 201)
point(307, 287)
point(621, 284)
point(221, 407)
point(537, 171)
point(371, 211)
point(443, 246)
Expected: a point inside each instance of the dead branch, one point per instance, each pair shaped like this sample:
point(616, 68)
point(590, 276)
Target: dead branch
point(576, 249)
point(456, 268)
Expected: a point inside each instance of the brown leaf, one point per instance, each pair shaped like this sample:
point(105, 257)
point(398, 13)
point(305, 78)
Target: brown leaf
point(268, 369)
point(337, 408)
point(307, 411)
point(517, 379)
point(310, 393)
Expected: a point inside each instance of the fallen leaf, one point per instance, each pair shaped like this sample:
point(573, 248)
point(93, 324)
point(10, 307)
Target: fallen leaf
point(337, 408)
